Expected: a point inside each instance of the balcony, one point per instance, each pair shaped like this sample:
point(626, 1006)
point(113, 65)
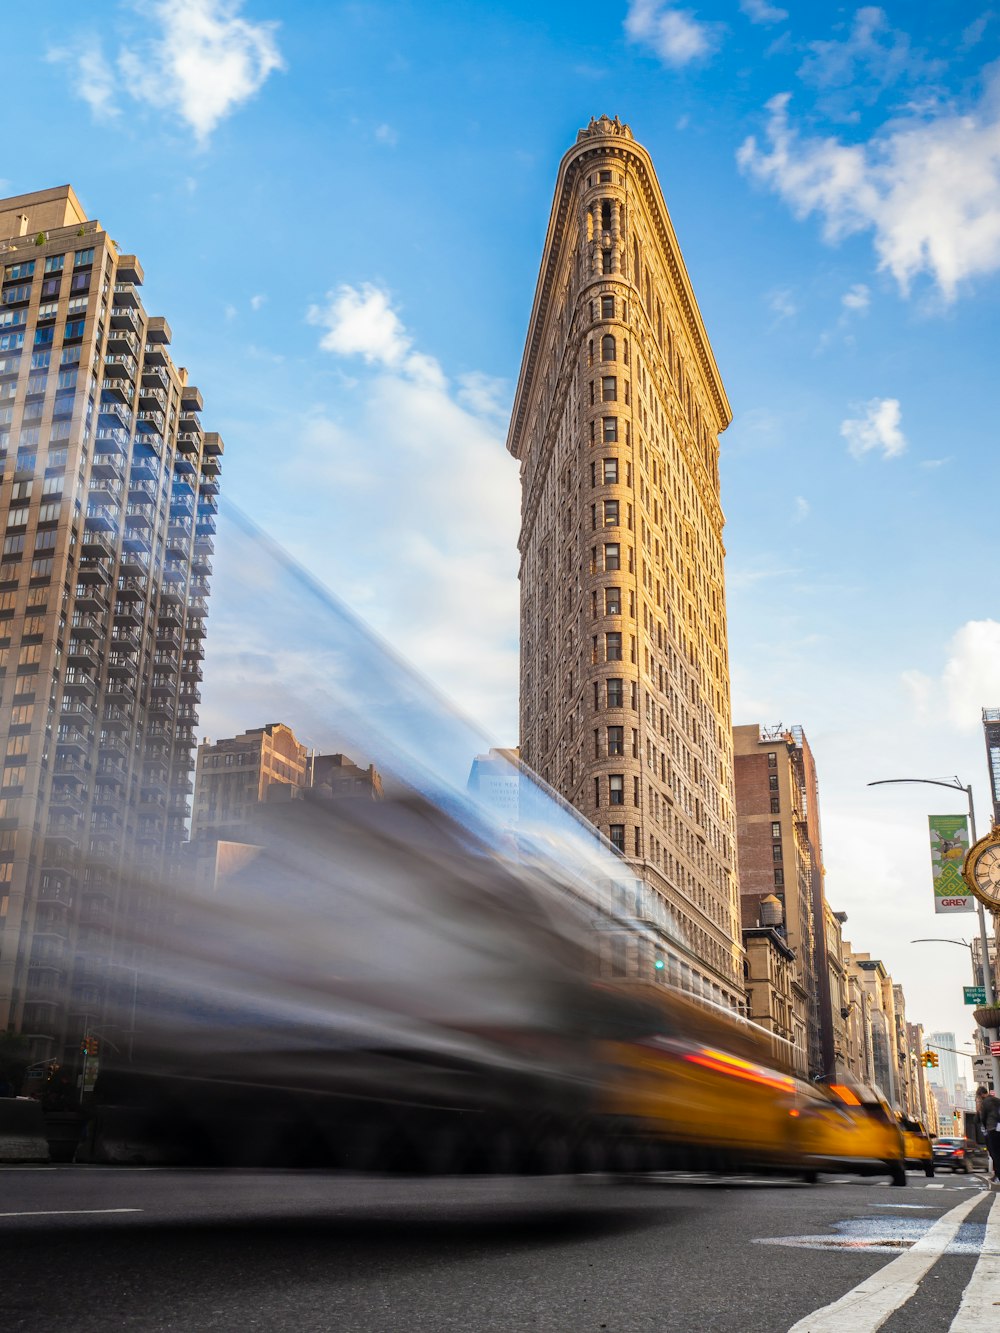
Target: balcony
point(119, 365)
point(167, 638)
point(111, 743)
point(107, 797)
point(82, 682)
point(189, 441)
point(145, 464)
point(109, 769)
point(121, 694)
point(84, 626)
point(150, 420)
point(123, 339)
point(142, 491)
point(126, 317)
point(106, 824)
point(83, 654)
point(108, 467)
point(135, 563)
point(137, 519)
point(97, 544)
point(161, 706)
point(185, 466)
point(154, 373)
point(128, 620)
point(75, 710)
point(198, 606)
point(110, 441)
point(72, 740)
point(65, 800)
point(122, 639)
point(65, 828)
point(115, 414)
point(68, 765)
point(127, 296)
point(131, 587)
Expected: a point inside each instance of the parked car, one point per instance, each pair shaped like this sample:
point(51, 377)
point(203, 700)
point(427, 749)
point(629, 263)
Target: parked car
point(952, 1153)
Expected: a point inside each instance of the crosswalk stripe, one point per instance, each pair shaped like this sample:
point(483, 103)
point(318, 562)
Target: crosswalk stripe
point(980, 1308)
point(867, 1306)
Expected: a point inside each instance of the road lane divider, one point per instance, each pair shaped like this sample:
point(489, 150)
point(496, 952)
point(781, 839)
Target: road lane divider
point(867, 1306)
point(72, 1212)
point(980, 1308)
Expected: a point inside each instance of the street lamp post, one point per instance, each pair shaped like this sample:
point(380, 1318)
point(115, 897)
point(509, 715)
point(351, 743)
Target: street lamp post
point(956, 785)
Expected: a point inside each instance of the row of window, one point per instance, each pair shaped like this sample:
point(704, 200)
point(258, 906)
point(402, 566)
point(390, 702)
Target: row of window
point(53, 264)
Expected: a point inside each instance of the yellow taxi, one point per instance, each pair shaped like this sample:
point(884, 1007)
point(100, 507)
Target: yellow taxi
point(917, 1145)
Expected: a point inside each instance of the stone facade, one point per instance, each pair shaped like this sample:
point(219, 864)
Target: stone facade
point(780, 852)
point(625, 701)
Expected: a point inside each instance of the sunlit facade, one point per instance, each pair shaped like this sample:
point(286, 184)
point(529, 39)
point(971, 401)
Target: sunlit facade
point(108, 505)
point(624, 688)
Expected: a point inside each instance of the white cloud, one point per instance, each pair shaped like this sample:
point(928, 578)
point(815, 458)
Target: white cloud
point(428, 450)
point(94, 78)
point(760, 11)
point(856, 299)
point(257, 301)
point(675, 35)
point(802, 509)
point(361, 322)
point(928, 186)
point(877, 429)
point(200, 61)
point(969, 682)
point(387, 135)
point(971, 677)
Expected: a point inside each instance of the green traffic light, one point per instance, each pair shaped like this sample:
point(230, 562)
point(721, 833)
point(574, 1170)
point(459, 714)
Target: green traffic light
point(659, 964)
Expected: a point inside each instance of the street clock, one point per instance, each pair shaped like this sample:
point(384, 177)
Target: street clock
point(981, 870)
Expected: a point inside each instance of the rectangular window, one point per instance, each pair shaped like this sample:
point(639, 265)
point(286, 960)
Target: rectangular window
point(775, 806)
point(611, 513)
point(772, 781)
point(54, 263)
point(605, 261)
point(612, 601)
point(772, 759)
point(779, 879)
point(613, 646)
point(607, 307)
point(775, 851)
point(19, 271)
point(616, 789)
point(616, 692)
point(616, 834)
point(40, 360)
point(616, 740)
point(44, 336)
point(612, 555)
point(83, 258)
point(74, 328)
point(776, 829)
point(13, 545)
point(30, 654)
point(610, 430)
point(609, 388)
point(611, 471)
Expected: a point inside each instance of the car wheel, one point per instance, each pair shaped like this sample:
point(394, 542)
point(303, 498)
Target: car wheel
point(898, 1173)
point(929, 1170)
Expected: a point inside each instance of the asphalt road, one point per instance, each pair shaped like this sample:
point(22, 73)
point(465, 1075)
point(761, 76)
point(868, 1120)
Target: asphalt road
point(87, 1248)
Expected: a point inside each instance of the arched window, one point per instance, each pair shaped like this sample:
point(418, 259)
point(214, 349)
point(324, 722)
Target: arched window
point(590, 352)
point(608, 347)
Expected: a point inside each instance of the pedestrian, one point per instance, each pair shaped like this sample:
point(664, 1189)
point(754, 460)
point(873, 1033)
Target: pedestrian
point(988, 1111)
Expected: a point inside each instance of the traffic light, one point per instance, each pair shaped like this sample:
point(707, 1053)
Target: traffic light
point(930, 1060)
point(659, 964)
point(88, 1046)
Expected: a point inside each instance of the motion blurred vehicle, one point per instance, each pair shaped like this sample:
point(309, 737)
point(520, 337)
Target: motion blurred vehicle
point(917, 1145)
point(952, 1153)
point(844, 1125)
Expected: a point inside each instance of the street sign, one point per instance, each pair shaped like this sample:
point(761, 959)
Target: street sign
point(974, 994)
point(995, 1048)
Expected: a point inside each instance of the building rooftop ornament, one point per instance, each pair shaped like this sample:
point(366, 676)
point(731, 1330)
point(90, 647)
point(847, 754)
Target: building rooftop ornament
point(604, 125)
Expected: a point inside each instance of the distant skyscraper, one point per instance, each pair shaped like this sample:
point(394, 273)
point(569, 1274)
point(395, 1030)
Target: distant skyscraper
point(991, 733)
point(947, 1072)
point(624, 666)
point(107, 507)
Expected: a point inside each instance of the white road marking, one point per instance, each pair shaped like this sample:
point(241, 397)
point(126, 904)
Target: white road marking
point(72, 1212)
point(867, 1306)
point(980, 1308)
point(934, 1187)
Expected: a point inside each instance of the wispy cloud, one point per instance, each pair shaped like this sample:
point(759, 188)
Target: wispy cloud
point(760, 11)
point(197, 60)
point(675, 35)
point(878, 430)
point(781, 304)
point(873, 56)
point(969, 681)
point(928, 187)
point(856, 299)
point(385, 134)
point(802, 509)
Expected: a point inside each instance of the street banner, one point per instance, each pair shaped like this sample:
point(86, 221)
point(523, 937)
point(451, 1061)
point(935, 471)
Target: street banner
point(949, 843)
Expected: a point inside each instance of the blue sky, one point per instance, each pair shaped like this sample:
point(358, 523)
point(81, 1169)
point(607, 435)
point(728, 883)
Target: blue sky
point(341, 208)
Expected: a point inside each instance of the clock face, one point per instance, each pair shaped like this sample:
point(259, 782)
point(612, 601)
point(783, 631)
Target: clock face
point(987, 873)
